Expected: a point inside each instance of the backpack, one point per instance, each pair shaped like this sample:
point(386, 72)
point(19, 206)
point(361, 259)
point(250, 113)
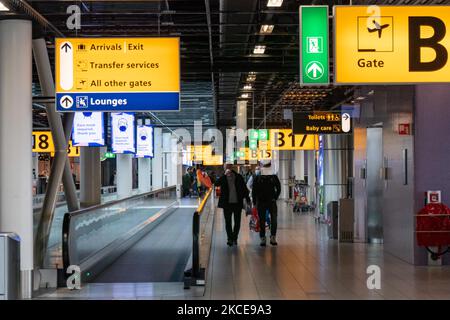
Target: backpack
point(265, 187)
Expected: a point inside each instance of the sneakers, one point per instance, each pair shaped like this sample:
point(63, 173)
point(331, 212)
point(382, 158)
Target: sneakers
point(263, 242)
point(273, 241)
point(235, 242)
point(230, 243)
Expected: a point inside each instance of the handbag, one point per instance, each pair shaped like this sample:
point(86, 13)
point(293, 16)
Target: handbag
point(254, 220)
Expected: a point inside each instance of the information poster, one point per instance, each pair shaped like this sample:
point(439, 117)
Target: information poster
point(144, 141)
point(88, 130)
point(123, 132)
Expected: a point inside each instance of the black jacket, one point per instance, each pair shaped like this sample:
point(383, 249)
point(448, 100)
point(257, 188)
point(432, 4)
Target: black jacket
point(265, 189)
point(241, 190)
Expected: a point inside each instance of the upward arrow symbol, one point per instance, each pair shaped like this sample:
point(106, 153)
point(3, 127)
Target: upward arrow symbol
point(66, 47)
point(66, 101)
point(315, 68)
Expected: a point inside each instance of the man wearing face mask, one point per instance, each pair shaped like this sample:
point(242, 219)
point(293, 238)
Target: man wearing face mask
point(266, 189)
point(252, 177)
point(233, 191)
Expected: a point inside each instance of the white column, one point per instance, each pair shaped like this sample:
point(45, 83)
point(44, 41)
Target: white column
point(311, 156)
point(90, 176)
point(144, 167)
point(177, 165)
point(35, 169)
point(284, 171)
point(157, 169)
point(16, 204)
point(166, 148)
point(173, 161)
point(299, 164)
point(241, 115)
point(124, 175)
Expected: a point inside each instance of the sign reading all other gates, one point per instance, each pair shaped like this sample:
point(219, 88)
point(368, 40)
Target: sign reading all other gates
point(117, 74)
point(321, 123)
point(314, 56)
point(391, 44)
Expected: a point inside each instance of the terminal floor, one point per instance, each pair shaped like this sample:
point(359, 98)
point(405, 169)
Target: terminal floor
point(305, 265)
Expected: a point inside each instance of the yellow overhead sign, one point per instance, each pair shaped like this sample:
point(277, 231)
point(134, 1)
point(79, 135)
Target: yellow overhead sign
point(203, 154)
point(43, 143)
point(391, 44)
point(284, 139)
point(117, 74)
point(213, 160)
point(197, 153)
point(246, 154)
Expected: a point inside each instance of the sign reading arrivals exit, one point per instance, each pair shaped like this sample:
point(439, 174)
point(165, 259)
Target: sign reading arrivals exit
point(117, 74)
point(314, 64)
point(391, 44)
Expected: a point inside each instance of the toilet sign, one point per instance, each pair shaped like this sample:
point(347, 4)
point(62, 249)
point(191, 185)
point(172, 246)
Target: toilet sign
point(391, 44)
point(314, 45)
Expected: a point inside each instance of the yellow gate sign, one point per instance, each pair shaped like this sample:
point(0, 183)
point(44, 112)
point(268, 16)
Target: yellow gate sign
point(391, 44)
point(43, 143)
point(284, 139)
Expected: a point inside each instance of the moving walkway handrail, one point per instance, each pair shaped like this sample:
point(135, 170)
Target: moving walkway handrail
point(68, 216)
point(196, 235)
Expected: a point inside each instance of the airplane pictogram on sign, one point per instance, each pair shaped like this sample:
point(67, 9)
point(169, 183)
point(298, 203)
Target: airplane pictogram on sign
point(375, 34)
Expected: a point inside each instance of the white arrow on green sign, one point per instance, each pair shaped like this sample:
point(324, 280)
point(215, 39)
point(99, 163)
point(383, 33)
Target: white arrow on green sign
point(314, 56)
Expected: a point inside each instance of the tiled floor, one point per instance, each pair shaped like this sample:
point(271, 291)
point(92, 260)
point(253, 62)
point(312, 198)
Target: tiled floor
point(305, 265)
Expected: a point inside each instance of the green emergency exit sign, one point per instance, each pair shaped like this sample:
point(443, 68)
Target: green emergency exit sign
point(314, 56)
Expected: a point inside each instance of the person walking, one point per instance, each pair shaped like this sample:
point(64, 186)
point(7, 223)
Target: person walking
point(233, 191)
point(186, 183)
point(266, 189)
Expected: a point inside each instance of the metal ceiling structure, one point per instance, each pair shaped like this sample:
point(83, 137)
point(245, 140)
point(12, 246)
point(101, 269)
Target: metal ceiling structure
point(217, 59)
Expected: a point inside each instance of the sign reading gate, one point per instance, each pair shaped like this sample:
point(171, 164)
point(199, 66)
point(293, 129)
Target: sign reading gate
point(391, 44)
point(117, 74)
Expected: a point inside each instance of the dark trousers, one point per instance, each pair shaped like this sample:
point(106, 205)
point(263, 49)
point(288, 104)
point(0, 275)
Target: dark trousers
point(262, 208)
point(236, 211)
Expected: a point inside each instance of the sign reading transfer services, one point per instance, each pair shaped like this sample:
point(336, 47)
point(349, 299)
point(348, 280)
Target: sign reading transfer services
point(117, 74)
point(391, 44)
point(314, 45)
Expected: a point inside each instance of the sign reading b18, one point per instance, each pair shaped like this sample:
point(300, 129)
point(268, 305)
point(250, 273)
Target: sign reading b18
point(391, 44)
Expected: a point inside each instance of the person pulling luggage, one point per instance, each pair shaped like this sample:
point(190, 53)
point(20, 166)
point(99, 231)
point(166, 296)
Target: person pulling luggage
point(266, 189)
